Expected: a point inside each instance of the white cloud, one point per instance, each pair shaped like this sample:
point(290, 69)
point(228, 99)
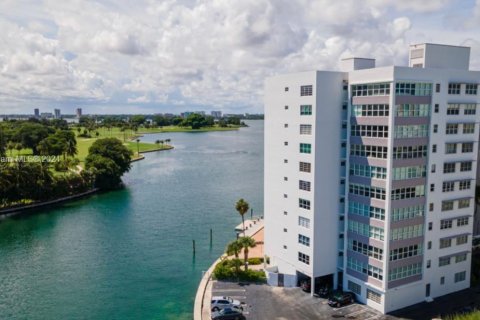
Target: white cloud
point(179, 53)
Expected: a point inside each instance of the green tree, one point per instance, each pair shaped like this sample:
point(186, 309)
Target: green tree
point(234, 248)
point(30, 135)
point(247, 243)
point(242, 207)
point(108, 159)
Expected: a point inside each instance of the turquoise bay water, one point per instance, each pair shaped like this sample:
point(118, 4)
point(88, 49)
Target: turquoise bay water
point(128, 254)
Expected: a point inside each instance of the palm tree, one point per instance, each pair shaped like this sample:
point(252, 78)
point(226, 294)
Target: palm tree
point(247, 243)
point(167, 141)
point(157, 142)
point(242, 207)
point(233, 248)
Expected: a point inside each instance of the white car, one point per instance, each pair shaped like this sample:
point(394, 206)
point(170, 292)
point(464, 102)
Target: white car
point(219, 303)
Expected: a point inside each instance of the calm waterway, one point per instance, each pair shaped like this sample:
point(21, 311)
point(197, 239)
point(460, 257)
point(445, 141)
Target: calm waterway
point(128, 254)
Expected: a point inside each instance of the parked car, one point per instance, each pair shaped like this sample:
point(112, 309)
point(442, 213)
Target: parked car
point(324, 292)
point(219, 303)
point(228, 314)
point(339, 298)
point(306, 285)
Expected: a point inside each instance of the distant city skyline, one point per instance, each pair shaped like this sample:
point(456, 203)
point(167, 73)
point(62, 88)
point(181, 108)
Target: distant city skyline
point(170, 56)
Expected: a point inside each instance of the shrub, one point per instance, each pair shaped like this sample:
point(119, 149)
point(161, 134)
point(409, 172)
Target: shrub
point(255, 261)
point(225, 270)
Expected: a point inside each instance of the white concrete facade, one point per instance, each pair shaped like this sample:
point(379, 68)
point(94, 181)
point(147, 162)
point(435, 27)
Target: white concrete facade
point(382, 147)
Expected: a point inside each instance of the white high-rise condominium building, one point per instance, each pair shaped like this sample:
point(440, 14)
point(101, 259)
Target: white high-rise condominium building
point(370, 177)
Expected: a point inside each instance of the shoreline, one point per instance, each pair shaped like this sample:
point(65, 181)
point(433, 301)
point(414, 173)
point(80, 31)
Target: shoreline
point(19, 210)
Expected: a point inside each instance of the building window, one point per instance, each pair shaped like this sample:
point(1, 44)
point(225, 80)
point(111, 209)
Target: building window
point(367, 191)
point(305, 148)
point(368, 171)
point(407, 232)
point(442, 280)
point(468, 128)
point(285, 213)
point(286, 107)
point(285, 125)
point(411, 131)
point(430, 226)
point(471, 88)
point(364, 268)
point(302, 257)
point(449, 167)
point(405, 252)
point(285, 143)
point(284, 247)
point(375, 297)
point(366, 210)
point(463, 203)
point(285, 195)
point(443, 261)
point(412, 110)
point(408, 192)
point(306, 90)
point(448, 186)
point(434, 148)
point(447, 205)
point(454, 88)
point(305, 166)
point(445, 243)
point(433, 168)
point(452, 128)
point(446, 224)
point(413, 89)
point(437, 87)
point(409, 152)
point(460, 257)
point(467, 147)
point(370, 110)
point(430, 207)
point(470, 108)
point(365, 249)
point(355, 288)
point(305, 110)
point(361, 150)
point(304, 222)
point(377, 89)
point(429, 245)
point(460, 276)
point(305, 204)
point(285, 160)
point(285, 178)
point(435, 128)
point(432, 187)
point(304, 240)
point(405, 271)
point(437, 107)
point(306, 129)
point(461, 239)
point(464, 184)
point(285, 230)
point(369, 131)
point(286, 89)
point(453, 109)
point(304, 185)
point(429, 262)
point(450, 148)
point(365, 230)
point(465, 166)
point(462, 222)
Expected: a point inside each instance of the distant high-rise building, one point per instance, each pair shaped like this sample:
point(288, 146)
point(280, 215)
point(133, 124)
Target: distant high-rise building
point(58, 115)
point(79, 112)
point(216, 114)
point(36, 112)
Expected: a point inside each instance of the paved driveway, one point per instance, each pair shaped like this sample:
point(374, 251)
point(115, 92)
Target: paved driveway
point(265, 302)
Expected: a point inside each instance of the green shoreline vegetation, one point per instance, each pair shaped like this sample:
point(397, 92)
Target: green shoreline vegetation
point(44, 160)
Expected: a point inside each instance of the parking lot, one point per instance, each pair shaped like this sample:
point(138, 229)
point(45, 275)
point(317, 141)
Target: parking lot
point(264, 302)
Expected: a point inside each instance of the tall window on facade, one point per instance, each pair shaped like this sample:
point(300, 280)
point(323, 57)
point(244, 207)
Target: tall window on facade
point(305, 148)
point(305, 110)
point(306, 129)
point(471, 88)
point(305, 167)
point(306, 90)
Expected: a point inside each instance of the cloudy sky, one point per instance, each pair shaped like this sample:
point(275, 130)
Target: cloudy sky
point(146, 56)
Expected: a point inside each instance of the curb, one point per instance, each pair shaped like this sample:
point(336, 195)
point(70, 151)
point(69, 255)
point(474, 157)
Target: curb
point(202, 287)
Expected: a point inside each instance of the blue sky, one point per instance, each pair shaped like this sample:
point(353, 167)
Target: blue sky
point(149, 56)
